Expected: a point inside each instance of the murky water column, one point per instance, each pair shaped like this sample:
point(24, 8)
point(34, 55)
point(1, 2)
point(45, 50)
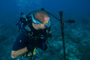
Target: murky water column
point(29, 4)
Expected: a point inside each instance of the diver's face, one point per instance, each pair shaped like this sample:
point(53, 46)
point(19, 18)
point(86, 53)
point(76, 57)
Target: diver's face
point(42, 26)
point(46, 20)
point(38, 26)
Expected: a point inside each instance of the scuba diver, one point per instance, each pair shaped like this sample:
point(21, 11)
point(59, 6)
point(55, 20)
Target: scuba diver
point(22, 22)
point(34, 28)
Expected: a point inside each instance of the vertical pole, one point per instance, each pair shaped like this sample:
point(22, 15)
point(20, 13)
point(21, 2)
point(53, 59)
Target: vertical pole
point(62, 30)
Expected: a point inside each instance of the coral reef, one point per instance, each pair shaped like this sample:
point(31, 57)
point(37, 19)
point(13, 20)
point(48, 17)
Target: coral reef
point(77, 41)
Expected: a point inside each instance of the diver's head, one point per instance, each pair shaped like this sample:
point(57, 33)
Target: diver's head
point(23, 15)
point(41, 18)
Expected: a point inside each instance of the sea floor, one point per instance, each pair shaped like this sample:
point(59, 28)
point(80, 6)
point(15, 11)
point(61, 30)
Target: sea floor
point(77, 42)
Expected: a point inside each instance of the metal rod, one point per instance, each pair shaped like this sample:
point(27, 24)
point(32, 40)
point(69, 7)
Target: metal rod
point(62, 30)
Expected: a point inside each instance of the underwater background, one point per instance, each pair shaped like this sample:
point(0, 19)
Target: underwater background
point(77, 35)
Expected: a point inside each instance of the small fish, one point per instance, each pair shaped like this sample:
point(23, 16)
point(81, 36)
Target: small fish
point(70, 21)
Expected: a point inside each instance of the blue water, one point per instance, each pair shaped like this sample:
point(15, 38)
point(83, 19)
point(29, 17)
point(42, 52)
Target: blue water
point(77, 35)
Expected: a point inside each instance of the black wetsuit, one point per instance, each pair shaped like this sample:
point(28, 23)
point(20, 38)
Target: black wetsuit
point(24, 40)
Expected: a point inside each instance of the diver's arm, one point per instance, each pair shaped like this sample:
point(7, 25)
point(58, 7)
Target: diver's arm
point(17, 53)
